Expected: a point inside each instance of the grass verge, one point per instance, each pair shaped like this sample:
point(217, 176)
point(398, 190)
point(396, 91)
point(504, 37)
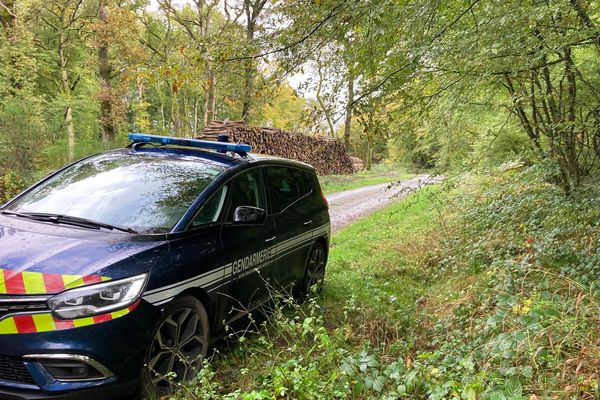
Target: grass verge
point(338, 183)
point(488, 290)
point(366, 310)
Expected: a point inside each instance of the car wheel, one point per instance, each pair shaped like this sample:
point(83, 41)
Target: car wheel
point(314, 274)
point(178, 347)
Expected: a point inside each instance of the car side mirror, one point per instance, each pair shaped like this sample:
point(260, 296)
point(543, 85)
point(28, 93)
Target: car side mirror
point(246, 215)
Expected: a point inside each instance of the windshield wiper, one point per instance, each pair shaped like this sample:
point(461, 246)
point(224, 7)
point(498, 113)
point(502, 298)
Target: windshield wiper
point(68, 220)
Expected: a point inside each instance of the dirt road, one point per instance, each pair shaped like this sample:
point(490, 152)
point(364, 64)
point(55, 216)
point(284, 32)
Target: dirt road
point(347, 206)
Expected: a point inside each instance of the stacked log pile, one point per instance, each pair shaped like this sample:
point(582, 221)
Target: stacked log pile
point(326, 155)
point(357, 164)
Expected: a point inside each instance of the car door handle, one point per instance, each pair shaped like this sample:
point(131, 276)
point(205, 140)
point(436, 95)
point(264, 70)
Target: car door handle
point(269, 240)
point(308, 222)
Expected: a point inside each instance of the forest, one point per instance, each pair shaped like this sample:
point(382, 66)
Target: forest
point(449, 85)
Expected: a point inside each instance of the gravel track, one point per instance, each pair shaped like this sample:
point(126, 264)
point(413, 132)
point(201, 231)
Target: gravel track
point(347, 206)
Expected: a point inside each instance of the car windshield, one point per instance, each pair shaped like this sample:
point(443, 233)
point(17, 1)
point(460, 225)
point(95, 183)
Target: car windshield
point(147, 192)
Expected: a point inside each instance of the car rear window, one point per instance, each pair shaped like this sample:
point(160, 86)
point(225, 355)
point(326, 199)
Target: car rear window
point(145, 192)
point(305, 182)
point(283, 187)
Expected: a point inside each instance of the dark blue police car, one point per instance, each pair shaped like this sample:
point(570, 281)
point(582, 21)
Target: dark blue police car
point(122, 267)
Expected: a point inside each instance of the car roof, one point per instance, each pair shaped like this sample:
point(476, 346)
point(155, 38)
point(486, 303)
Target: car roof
point(228, 160)
point(265, 158)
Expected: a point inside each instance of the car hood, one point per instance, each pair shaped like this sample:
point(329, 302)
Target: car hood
point(39, 258)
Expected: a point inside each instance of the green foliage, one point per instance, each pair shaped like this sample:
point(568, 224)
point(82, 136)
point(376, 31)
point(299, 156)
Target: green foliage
point(285, 110)
point(56, 82)
point(22, 126)
point(444, 85)
point(22, 130)
point(457, 84)
point(522, 293)
point(526, 214)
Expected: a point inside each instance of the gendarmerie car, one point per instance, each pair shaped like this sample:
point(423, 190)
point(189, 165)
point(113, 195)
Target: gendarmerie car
point(122, 267)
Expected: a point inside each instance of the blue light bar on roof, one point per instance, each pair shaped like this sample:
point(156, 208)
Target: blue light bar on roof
point(239, 148)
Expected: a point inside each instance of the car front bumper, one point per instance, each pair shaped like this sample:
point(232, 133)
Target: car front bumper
point(113, 391)
point(115, 348)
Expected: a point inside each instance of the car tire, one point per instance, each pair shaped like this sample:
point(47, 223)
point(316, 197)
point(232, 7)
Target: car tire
point(314, 273)
point(179, 344)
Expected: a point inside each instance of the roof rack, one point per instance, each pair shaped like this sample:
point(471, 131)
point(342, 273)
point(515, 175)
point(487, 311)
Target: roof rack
point(222, 147)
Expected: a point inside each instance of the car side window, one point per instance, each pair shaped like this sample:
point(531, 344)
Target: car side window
point(211, 210)
point(283, 189)
point(247, 189)
point(305, 182)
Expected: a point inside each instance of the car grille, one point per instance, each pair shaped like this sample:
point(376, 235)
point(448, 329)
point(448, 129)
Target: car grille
point(13, 369)
point(13, 305)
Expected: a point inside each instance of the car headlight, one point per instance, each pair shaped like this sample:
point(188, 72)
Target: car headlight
point(98, 299)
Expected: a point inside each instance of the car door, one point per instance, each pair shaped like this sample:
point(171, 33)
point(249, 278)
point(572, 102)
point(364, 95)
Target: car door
point(247, 249)
point(289, 191)
point(209, 219)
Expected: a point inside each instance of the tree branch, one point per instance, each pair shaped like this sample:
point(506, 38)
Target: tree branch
point(332, 13)
point(8, 10)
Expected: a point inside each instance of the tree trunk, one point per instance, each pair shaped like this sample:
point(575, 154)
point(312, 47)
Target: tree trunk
point(163, 113)
point(70, 132)
point(248, 90)
point(583, 15)
point(175, 115)
point(66, 92)
point(249, 66)
point(331, 132)
point(184, 115)
point(210, 109)
point(195, 119)
point(106, 91)
point(253, 10)
point(569, 133)
point(140, 117)
point(520, 112)
point(349, 107)
point(369, 154)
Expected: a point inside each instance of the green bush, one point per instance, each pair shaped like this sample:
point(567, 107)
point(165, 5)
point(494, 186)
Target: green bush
point(21, 135)
point(522, 303)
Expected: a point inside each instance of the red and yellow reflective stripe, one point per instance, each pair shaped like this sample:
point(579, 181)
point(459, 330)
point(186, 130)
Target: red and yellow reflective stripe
point(27, 282)
point(43, 322)
point(8, 326)
point(2, 284)
point(46, 322)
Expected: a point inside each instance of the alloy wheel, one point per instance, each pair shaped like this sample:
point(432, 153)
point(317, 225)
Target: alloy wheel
point(178, 349)
point(315, 271)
